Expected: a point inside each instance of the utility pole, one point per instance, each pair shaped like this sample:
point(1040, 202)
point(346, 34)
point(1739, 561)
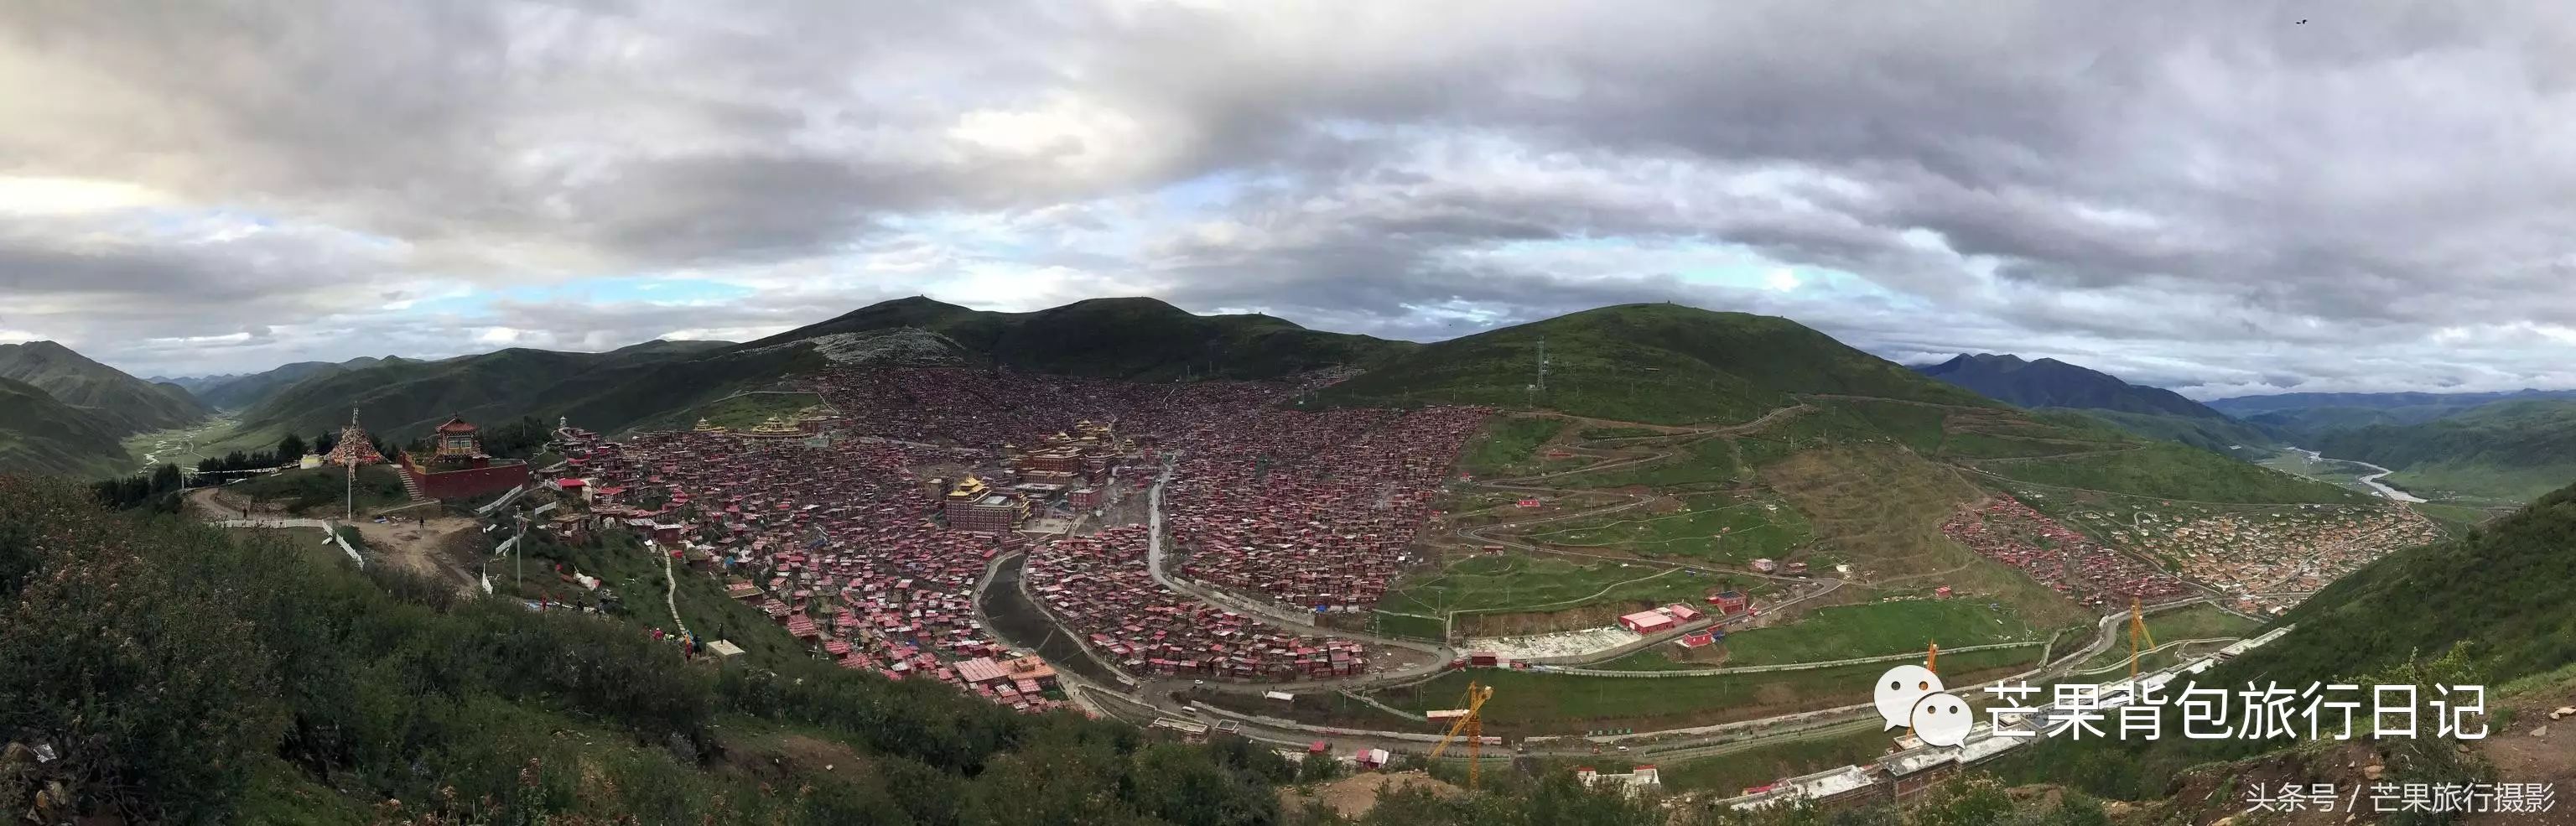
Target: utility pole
point(349, 460)
point(1539, 387)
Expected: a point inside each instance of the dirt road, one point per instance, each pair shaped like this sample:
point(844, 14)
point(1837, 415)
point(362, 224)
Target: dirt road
point(441, 548)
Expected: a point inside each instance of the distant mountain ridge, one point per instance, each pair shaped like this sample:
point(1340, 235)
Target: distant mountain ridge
point(1137, 338)
point(2048, 382)
point(2153, 412)
point(237, 392)
point(2515, 449)
point(122, 403)
point(2454, 402)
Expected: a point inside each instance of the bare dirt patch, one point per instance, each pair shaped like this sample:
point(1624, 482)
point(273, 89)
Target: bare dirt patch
point(1355, 795)
point(440, 547)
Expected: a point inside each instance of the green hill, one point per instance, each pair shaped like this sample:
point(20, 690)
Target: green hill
point(403, 399)
point(1133, 338)
point(1656, 363)
point(238, 392)
point(121, 403)
point(2223, 436)
point(39, 435)
point(2514, 450)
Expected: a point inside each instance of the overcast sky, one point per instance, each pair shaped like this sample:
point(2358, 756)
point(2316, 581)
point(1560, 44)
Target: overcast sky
point(2214, 197)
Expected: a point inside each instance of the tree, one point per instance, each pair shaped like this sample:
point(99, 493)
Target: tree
point(290, 448)
point(1317, 768)
point(325, 442)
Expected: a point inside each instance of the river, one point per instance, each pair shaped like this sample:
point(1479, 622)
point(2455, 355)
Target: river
point(2372, 480)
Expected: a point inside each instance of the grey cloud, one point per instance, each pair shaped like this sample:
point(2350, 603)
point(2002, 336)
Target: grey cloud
point(2204, 194)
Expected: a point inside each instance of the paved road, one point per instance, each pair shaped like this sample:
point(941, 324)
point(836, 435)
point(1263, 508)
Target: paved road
point(1434, 657)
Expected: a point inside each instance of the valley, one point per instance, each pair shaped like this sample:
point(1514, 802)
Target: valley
point(1676, 584)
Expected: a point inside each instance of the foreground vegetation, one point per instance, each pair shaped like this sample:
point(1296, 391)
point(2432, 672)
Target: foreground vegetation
point(184, 675)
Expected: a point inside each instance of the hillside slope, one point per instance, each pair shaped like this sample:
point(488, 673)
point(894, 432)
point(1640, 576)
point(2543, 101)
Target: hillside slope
point(238, 392)
point(402, 399)
point(122, 403)
point(39, 435)
point(1657, 363)
point(2514, 450)
point(1143, 339)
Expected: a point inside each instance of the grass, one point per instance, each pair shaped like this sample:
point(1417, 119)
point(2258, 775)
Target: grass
point(1407, 625)
point(1710, 528)
point(322, 489)
point(1647, 363)
point(1507, 444)
point(1849, 631)
point(1526, 703)
point(2481, 483)
point(634, 574)
point(1916, 426)
point(1709, 461)
point(1517, 581)
point(747, 411)
point(1733, 772)
point(1880, 508)
point(1616, 432)
point(2455, 518)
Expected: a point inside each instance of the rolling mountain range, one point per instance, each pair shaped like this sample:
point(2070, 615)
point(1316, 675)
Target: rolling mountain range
point(237, 392)
point(2153, 412)
point(2048, 382)
point(1661, 363)
point(122, 404)
point(1656, 363)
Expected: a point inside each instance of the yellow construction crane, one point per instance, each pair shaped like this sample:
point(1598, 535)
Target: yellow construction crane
point(1471, 726)
point(2137, 631)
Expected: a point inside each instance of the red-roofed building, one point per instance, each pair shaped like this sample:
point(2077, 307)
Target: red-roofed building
point(1647, 622)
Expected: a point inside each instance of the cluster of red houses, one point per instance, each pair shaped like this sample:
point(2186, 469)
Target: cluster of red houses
point(2061, 558)
point(856, 548)
point(1313, 510)
point(990, 408)
point(834, 543)
point(1098, 587)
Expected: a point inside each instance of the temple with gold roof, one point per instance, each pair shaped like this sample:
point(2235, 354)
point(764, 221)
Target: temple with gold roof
point(973, 505)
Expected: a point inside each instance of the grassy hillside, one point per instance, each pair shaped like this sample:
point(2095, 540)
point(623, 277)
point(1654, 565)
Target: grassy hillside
point(602, 391)
point(2514, 450)
point(238, 392)
point(1655, 363)
point(121, 403)
point(39, 435)
point(2226, 437)
point(1134, 338)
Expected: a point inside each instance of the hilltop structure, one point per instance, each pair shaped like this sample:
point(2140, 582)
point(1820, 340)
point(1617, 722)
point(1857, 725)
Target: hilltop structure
point(458, 468)
point(355, 446)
